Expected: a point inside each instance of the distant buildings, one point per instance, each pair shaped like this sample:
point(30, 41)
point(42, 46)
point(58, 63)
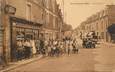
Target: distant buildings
point(99, 23)
point(67, 31)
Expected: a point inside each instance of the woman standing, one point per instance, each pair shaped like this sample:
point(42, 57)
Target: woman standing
point(28, 47)
point(19, 50)
point(33, 47)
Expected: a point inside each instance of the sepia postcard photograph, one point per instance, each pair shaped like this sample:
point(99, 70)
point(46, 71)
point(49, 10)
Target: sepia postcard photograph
point(57, 35)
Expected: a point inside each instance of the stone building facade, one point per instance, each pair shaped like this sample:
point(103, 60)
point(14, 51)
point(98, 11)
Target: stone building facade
point(53, 20)
point(99, 23)
point(28, 19)
point(22, 20)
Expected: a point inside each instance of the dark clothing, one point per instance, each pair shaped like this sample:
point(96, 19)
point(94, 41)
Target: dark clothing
point(68, 51)
point(27, 52)
point(41, 44)
point(20, 54)
point(41, 49)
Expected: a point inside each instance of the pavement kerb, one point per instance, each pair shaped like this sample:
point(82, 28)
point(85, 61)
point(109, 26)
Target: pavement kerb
point(109, 44)
point(21, 64)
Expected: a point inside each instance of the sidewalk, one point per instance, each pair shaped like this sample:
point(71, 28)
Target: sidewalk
point(14, 65)
point(109, 44)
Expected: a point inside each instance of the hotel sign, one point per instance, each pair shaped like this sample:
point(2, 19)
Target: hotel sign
point(10, 9)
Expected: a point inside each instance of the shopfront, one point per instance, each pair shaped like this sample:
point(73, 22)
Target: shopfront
point(111, 31)
point(1, 35)
point(1, 45)
point(22, 30)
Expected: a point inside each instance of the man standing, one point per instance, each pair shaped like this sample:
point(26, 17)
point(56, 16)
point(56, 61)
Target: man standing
point(69, 49)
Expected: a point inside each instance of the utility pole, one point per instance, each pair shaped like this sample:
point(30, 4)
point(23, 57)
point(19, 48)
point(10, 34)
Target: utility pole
point(63, 9)
point(63, 18)
point(64, 12)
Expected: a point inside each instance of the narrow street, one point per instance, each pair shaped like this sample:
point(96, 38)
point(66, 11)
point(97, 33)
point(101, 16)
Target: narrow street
point(84, 61)
point(101, 59)
point(35, 33)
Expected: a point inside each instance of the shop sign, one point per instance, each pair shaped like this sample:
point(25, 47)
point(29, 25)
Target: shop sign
point(28, 30)
point(10, 9)
point(20, 37)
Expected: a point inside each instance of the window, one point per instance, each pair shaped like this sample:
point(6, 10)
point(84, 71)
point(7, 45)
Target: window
point(47, 18)
point(54, 22)
point(36, 1)
point(28, 11)
point(102, 25)
point(102, 35)
point(97, 26)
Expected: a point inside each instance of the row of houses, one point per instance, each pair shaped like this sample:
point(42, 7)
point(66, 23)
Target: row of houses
point(28, 19)
point(99, 23)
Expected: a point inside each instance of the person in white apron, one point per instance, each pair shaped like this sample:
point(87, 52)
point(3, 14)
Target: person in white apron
point(33, 47)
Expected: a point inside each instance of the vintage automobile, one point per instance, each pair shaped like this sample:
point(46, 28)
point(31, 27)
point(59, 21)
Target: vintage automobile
point(90, 40)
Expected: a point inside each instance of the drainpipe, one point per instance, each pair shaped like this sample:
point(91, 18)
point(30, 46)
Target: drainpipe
point(3, 3)
point(6, 33)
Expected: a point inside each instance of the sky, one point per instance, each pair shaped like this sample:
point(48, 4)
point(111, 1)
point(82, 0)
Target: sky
point(74, 14)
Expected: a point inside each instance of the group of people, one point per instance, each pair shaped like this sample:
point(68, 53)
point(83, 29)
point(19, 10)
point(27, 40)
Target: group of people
point(58, 47)
point(27, 48)
point(23, 49)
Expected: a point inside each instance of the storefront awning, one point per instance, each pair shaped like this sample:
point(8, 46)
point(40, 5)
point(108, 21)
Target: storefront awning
point(111, 29)
point(24, 21)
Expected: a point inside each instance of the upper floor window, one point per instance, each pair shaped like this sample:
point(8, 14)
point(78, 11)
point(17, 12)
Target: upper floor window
point(36, 1)
point(29, 11)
